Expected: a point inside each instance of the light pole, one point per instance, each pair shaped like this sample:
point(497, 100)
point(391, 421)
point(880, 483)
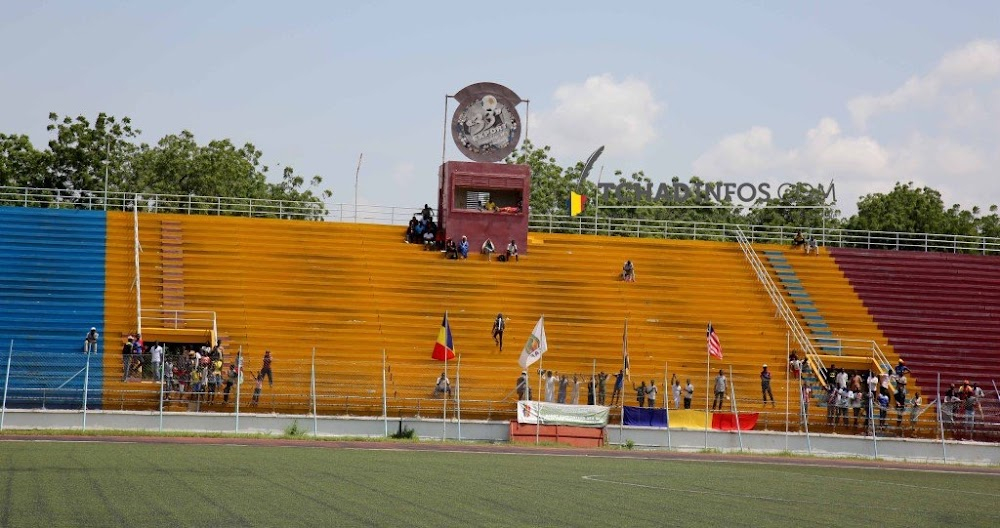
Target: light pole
point(107, 165)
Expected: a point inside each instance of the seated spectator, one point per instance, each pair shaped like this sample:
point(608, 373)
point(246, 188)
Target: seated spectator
point(628, 272)
point(812, 246)
point(442, 386)
point(428, 240)
point(491, 206)
point(511, 251)
point(488, 249)
point(451, 249)
point(411, 231)
point(799, 240)
point(463, 247)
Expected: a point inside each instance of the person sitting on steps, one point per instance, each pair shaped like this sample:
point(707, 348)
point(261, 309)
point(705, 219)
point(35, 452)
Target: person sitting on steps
point(628, 271)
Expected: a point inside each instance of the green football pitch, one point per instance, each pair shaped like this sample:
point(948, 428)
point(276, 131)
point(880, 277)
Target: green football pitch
point(55, 484)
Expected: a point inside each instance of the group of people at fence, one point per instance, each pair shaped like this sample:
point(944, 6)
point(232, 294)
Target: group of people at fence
point(862, 401)
point(186, 372)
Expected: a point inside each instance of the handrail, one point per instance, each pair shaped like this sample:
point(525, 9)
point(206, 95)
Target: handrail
point(165, 316)
point(786, 313)
point(538, 222)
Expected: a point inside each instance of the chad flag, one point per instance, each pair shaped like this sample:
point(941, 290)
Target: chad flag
point(444, 348)
point(577, 203)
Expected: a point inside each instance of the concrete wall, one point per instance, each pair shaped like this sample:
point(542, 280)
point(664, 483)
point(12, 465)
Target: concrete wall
point(492, 431)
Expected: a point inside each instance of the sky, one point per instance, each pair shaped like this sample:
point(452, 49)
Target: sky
point(861, 93)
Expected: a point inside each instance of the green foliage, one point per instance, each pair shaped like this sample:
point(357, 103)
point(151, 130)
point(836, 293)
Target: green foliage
point(404, 433)
point(82, 155)
point(629, 444)
point(294, 430)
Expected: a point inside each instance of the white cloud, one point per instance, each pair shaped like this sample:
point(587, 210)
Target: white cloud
point(951, 145)
point(599, 111)
point(976, 61)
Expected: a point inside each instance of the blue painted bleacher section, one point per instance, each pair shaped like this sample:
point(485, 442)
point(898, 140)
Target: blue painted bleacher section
point(51, 293)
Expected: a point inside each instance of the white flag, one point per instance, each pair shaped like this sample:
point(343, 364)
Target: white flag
point(536, 345)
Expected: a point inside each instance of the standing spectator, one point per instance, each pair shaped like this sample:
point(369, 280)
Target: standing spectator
point(616, 393)
point(550, 387)
point(499, 325)
point(602, 387)
point(831, 377)
point(640, 393)
point(427, 213)
point(979, 394)
point(794, 365)
point(265, 369)
point(901, 368)
point(590, 391)
point(688, 394)
point(563, 385)
point(576, 390)
point(765, 385)
point(651, 393)
point(90, 341)
point(915, 404)
point(231, 379)
point(872, 382)
point(883, 409)
point(257, 387)
point(442, 387)
point(168, 375)
point(127, 350)
point(522, 387)
point(156, 357)
point(841, 379)
point(512, 250)
point(720, 391)
point(676, 385)
point(856, 405)
point(831, 405)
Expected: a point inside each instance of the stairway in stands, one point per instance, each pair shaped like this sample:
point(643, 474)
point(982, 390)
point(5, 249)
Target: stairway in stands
point(172, 266)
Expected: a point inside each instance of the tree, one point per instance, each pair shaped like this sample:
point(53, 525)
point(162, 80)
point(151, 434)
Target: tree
point(794, 208)
point(83, 157)
point(906, 209)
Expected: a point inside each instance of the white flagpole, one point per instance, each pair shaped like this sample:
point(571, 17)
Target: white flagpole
point(458, 395)
point(538, 413)
point(621, 397)
point(944, 446)
point(736, 410)
point(708, 366)
point(163, 358)
point(239, 382)
point(312, 390)
point(6, 381)
point(593, 380)
point(668, 393)
point(444, 400)
point(787, 370)
point(86, 384)
point(385, 402)
point(803, 409)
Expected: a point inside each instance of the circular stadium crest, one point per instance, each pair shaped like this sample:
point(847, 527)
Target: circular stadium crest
point(486, 126)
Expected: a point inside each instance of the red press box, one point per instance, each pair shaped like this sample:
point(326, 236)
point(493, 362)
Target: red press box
point(466, 188)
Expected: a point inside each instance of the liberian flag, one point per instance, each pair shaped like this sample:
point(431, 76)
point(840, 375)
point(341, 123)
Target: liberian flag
point(536, 345)
point(444, 347)
point(714, 346)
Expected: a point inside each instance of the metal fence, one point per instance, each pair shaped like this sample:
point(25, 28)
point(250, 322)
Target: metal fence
point(546, 223)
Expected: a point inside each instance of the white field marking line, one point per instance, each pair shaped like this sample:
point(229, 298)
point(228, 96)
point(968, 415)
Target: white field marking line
point(595, 478)
point(902, 485)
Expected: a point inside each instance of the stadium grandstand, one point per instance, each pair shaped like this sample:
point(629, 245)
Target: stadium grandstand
point(350, 312)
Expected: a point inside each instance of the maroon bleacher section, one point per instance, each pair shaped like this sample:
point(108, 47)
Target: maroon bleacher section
point(941, 312)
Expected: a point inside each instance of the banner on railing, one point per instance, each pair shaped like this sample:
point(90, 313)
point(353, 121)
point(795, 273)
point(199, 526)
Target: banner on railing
point(532, 412)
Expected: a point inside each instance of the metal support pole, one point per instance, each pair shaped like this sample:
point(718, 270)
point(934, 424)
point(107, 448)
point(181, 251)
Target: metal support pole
point(788, 346)
point(385, 403)
point(871, 413)
point(444, 129)
point(736, 409)
point(940, 415)
point(86, 384)
point(239, 382)
point(458, 396)
point(357, 172)
point(6, 381)
point(668, 390)
point(138, 282)
point(312, 392)
point(163, 357)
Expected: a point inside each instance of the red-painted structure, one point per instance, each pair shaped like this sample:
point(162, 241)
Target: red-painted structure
point(461, 184)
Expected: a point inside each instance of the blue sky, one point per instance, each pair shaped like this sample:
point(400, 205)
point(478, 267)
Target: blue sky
point(865, 93)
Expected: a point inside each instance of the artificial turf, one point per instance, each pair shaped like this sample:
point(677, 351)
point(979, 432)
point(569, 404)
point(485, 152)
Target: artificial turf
point(54, 484)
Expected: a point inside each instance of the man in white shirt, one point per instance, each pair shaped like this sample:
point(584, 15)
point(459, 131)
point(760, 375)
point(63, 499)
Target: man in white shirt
point(157, 356)
point(720, 391)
